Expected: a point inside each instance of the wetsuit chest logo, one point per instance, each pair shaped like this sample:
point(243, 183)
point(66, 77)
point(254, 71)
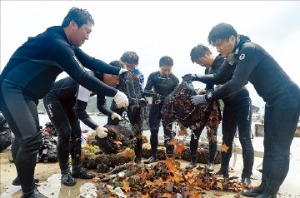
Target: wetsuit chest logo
point(242, 56)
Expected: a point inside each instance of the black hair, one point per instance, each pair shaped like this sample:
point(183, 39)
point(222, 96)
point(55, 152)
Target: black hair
point(166, 60)
point(117, 63)
point(221, 31)
point(130, 57)
point(80, 16)
point(199, 51)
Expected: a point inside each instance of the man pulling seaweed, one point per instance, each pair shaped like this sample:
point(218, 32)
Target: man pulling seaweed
point(131, 84)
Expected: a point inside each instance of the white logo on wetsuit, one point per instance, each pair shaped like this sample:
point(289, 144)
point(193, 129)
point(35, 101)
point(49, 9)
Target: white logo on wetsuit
point(242, 56)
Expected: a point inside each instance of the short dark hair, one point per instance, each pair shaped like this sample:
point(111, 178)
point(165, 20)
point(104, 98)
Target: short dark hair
point(80, 16)
point(221, 31)
point(117, 63)
point(199, 51)
point(166, 60)
point(130, 57)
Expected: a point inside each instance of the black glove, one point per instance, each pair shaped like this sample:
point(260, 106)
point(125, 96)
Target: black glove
point(189, 77)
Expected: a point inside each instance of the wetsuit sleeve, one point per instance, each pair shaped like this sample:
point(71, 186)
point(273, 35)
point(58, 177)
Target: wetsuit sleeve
point(71, 65)
point(209, 86)
point(101, 105)
point(95, 64)
point(223, 75)
point(149, 84)
point(83, 96)
point(248, 59)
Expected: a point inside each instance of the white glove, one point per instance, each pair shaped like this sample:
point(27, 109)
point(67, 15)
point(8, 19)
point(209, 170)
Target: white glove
point(121, 100)
point(114, 115)
point(122, 70)
point(101, 131)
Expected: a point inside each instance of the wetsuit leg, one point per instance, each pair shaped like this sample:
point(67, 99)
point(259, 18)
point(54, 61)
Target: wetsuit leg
point(58, 115)
point(75, 142)
point(229, 128)
point(243, 116)
point(154, 121)
point(213, 145)
point(194, 142)
point(15, 148)
point(280, 126)
point(154, 142)
point(134, 115)
point(22, 117)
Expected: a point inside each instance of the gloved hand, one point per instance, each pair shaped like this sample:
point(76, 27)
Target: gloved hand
point(121, 100)
point(122, 70)
point(101, 131)
point(199, 99)
point(189, 77)
point(114, 115)
point(201, 91)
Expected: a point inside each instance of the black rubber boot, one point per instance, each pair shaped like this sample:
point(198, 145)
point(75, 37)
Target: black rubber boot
point(210, 167)
point(67, 179)
point(154, 144)
point(150, 160)
point(246, 181)
point(193, 162)
point(16, 181)
point(224, 172)
point(75, 151)
point(267, 194)
point(34, 194)
point(79, 172)
point(254, 192)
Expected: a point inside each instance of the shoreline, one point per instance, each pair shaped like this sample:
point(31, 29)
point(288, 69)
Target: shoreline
point(49, 175)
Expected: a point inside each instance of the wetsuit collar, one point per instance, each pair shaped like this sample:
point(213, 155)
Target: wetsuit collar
point(232, 56)
point(160, 76)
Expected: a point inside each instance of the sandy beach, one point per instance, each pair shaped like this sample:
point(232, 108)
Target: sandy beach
point(50, 185)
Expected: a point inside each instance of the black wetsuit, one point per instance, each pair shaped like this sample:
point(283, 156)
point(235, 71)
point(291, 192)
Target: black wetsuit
point(162, 86)
point(282, 97)
point(65, 104)
point(28, 76)
point(135, 118)
point(212, 134)
point(237, 114)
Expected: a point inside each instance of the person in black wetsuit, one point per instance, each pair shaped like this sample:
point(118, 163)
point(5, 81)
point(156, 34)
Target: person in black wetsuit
point(163, 82)
point(237, 111)
point(65, 104)
point(131, 61)
point(30, 74)
point(212, 64)
point(281, 94)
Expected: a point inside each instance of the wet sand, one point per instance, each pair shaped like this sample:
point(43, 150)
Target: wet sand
point(49, 175)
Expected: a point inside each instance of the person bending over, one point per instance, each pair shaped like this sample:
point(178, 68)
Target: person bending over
point(278, 90)
point(30, 74)
point(237, 110)
point(65, 104)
